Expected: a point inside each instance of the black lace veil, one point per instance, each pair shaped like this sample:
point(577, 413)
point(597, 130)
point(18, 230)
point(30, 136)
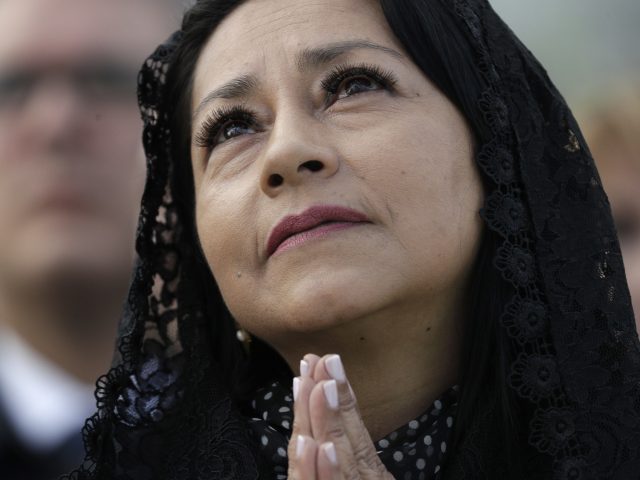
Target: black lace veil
point(165, 410)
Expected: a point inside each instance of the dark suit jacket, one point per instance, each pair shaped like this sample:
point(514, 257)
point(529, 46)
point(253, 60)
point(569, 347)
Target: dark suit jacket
point(17, 462)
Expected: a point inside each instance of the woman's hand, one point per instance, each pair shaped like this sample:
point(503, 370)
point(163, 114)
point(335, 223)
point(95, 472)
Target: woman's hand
point(329, 440)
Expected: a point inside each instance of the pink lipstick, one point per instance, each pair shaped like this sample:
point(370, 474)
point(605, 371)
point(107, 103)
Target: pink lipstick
point(315, 222)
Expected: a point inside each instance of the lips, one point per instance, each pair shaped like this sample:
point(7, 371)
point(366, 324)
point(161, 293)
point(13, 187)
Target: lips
point(312, 223)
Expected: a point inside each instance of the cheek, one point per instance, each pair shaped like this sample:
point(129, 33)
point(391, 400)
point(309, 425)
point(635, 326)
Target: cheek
point(226, 228)
point(425, 176)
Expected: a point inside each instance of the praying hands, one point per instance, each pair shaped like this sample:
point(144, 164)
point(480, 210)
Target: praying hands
point(329, 440)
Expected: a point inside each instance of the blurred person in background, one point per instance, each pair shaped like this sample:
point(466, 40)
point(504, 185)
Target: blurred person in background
point(613, 133)
point(71, 175)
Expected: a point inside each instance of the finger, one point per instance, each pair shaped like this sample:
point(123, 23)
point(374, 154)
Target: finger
point(331, 367)
point(302, 387)
point(327, 427)
point(327, 463)
point(351, 421)
point(303, 452)
point(308, 364)
point(320, 371)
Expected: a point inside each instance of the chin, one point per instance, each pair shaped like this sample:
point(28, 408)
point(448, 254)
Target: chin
point(313, 304)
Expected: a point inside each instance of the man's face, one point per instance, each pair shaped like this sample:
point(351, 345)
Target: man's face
point(71, 162)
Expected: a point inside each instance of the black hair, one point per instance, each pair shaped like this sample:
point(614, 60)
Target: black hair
point(436, 43)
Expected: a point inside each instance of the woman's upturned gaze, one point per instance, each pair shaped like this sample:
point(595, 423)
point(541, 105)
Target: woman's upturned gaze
point(373, 246)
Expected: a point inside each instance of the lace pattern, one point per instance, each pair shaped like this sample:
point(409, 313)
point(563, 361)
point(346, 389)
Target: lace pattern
point(162, 414)
point(560, 369)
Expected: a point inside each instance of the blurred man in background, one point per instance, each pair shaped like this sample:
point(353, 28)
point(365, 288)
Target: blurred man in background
point(71, 176)
point(613, 134)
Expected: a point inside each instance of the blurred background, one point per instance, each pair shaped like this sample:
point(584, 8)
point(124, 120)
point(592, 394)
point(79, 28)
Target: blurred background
point(590, 49)
point(72, 171)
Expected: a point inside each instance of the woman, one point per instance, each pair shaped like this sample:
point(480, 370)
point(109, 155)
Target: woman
point(315, 175)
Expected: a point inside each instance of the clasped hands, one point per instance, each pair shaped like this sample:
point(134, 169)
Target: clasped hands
point(329, 439)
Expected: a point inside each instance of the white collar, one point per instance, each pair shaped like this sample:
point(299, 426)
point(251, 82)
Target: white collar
point(44, 404)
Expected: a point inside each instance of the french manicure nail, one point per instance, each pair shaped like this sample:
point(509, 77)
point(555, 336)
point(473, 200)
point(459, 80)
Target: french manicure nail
point(304, 368)
point(330, 388)
point(335, 368)
point(296, 387)
point(300, 443)
point(329, 450)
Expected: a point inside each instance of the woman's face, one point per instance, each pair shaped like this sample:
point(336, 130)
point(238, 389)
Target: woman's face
point(333, 181)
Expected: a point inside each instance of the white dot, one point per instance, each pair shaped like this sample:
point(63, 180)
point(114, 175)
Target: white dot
point(265, 415)
point(427, 440)
point(264, 440)
point(397, 456)
point(449, 421)
point(384, 443)
point(414, 424)
point(285, 423)
point(437, 469)
point(268, 396)
point(443, 447)
point(437, 404)
point(282, 452)
point(286, 409)
point(420, 463)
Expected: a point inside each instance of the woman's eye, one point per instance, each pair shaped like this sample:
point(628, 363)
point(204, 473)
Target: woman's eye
point(232, 129)
point(346, 81)
point(355, 85)
point(225, 124)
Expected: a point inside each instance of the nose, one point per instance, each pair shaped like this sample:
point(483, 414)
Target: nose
point(297, 153)
point(53, 116)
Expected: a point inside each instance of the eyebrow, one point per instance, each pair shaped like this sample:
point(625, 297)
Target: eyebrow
point(241, 86)
point(307, 59)
point(310, 58)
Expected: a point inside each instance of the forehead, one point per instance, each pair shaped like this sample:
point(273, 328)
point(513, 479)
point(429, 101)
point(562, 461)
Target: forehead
point(35, 31)
point(260, 33)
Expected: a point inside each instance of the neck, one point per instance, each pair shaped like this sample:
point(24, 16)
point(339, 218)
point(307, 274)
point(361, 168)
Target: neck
point(397, 364)
point(73, 327)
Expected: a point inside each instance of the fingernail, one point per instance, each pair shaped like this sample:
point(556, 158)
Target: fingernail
point(300, 443)
point(335, 368)
point(329, 450)
point(296, 387)
point(330, 388)
point(304, 368)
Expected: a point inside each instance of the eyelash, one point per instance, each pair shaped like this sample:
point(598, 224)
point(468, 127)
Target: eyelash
point(334, 79)
point(216, 121)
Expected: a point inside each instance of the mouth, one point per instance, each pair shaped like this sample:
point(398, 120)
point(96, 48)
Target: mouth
point(315, 222)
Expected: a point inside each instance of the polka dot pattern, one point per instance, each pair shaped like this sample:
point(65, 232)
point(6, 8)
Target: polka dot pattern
point(415, 451)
